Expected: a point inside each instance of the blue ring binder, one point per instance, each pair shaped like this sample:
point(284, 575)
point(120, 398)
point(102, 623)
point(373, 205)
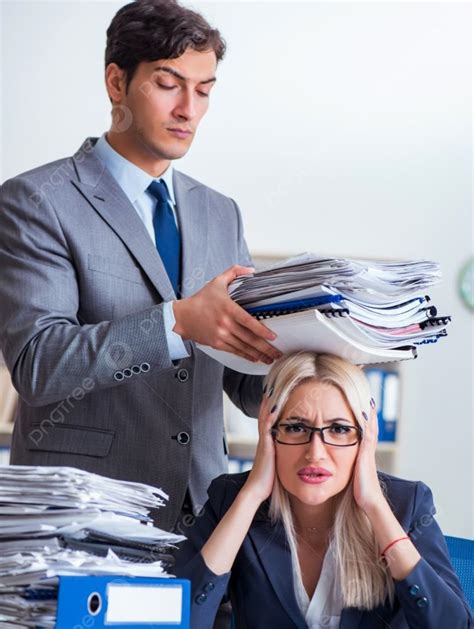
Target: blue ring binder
point(86, 601)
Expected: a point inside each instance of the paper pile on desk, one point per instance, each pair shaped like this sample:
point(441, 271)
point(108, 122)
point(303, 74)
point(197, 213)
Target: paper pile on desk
point(364, 311)
point(63, 521)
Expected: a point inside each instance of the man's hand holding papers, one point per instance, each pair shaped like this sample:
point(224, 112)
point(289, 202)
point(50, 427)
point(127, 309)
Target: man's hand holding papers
point(212, 318)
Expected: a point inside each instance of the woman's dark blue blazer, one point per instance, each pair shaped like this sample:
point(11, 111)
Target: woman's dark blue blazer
point(260, 583)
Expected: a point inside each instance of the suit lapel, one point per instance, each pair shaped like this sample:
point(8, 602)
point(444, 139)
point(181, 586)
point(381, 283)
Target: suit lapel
point(192, 210)
point(274, 554)
point(272, 549)
point(351, 618)
point(101, 190)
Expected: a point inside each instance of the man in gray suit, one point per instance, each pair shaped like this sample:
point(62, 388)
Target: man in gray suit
point(113, 265)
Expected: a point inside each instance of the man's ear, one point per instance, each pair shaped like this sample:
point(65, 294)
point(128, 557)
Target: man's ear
point(115, 83)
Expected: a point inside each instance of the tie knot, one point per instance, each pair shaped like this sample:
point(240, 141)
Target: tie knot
point(159, 190)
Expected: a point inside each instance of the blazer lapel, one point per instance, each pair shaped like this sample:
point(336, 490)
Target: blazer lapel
point(351, 618)
point(192, 210)
point(273, 551)
point(101, 190)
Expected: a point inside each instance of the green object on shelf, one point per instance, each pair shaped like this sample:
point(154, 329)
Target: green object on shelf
point(466, 283)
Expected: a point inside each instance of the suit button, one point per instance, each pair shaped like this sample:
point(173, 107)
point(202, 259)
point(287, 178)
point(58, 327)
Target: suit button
point(136, 369)
point(145, 367)
point(183, 375)
point(422, 602)
point(127, 372)
point(183, 438)
point(200, 599)
point(209, 587)
point(414, 590)
point(118, 375)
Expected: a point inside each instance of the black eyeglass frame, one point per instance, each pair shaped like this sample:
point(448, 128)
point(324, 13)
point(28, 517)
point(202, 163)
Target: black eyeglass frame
point(313, 430)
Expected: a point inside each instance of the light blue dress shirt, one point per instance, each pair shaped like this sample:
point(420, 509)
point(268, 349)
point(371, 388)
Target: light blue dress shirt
point(134, 182)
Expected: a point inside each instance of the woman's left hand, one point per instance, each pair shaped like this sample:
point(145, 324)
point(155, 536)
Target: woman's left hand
point(262, 475)
point(367, 491)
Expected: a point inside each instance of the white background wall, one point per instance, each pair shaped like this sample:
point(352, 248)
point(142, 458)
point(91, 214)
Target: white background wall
point(342, 128)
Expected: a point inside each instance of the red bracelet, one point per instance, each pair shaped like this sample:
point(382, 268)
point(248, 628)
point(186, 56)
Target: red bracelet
point(392, 543)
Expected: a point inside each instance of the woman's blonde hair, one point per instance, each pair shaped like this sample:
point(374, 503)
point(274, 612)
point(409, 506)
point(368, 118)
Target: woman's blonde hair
point(362, 577)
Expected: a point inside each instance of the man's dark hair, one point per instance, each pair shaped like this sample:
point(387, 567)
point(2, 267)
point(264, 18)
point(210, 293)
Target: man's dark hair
point(146, 30)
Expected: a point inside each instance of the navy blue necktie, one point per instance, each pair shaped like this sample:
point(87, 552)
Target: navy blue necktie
point(167, 238)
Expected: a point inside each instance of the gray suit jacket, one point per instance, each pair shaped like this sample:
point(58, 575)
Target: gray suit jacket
point(81, 329)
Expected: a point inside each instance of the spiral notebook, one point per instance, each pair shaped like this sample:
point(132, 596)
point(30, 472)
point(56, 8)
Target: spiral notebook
point(316, 331)
point(294, 305)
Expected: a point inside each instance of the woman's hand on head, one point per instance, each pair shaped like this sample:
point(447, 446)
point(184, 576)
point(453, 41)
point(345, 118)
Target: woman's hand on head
point(262, 475)
point(220, 550)
point(367, 491)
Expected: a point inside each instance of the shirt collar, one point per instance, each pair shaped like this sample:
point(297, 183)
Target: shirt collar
point(132, 179)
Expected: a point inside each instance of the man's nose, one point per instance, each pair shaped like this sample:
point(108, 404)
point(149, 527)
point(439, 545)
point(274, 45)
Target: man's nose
point(316, 449)
point(186, 107)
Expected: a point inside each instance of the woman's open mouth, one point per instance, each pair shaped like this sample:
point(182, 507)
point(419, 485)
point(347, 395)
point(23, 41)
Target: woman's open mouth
point(314, 475)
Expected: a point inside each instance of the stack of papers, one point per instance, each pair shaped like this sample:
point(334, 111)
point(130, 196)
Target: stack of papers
point(63, 521)
point(364, 311)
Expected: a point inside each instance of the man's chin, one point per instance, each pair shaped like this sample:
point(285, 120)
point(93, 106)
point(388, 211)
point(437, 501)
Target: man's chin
point(177, 154)
point(172, 151)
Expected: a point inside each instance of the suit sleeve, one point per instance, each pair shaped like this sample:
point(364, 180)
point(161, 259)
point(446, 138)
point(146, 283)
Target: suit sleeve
point(47, 349)
point(431, 595)
point(244, 390)
point(207, 588)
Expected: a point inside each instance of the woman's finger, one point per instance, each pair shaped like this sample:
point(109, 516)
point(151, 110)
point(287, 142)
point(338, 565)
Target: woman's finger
point(264, 413)
point(369, 441)
point(375, 420)
point(266, 417)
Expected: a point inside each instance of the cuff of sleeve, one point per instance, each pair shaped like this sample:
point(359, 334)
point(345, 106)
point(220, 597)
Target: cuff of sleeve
point(414, 590)
point(428, 601)
point(176, 347)
point(207, 588)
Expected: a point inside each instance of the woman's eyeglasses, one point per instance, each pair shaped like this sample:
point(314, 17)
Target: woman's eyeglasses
point(297, 433)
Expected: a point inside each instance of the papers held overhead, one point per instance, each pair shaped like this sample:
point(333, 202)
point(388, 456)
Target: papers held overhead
point(63, 521)
point(367, 311)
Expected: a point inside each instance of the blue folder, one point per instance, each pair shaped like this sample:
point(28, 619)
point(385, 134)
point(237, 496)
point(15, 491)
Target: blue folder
point(285, 307)
point(384, 400)
point(118, 602)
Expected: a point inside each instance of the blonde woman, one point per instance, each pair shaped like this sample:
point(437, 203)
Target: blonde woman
point(313, 536)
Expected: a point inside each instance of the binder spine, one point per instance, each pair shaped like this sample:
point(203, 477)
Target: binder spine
point(432, 339)
point(39, 594)
point(431, 311)
point(328, 312)
point(287, 307)
point(335, 313)
point(111, 601)
point(434, 322)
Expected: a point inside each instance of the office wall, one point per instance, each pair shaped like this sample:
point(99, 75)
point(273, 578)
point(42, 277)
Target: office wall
point(342, 128)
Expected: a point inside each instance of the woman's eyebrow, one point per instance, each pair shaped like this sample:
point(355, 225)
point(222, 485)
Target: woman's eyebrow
point(326, 421)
